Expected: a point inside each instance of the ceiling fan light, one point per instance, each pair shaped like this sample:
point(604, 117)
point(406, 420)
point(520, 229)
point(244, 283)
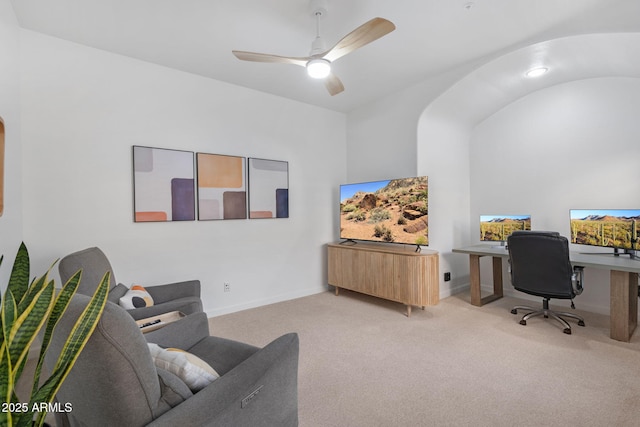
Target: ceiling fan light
point(318, 68)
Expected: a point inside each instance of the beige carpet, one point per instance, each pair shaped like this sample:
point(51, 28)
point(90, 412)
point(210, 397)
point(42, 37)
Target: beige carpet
point(363, 363)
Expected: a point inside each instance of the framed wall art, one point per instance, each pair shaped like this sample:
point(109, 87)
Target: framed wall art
point(222, 192)
point(163, 185)
point(268, 188)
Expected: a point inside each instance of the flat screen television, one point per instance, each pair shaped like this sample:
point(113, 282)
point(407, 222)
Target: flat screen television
point(610, 228)
point(496, 228)
point(394, 210)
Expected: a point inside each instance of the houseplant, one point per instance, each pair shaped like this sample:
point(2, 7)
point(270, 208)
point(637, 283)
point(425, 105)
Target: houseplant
point(27, 307)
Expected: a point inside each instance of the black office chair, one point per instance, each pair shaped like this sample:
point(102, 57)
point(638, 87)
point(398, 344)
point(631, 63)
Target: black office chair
point(539, 265)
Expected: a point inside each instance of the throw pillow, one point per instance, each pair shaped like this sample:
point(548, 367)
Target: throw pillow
point(195, 372)
point(136, 297)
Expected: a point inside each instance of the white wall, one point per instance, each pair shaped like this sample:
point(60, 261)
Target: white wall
point(382, 136)
point(443, 154)
point(384, 141)
point(83, 109)
point(570, 146)
point(11, 220)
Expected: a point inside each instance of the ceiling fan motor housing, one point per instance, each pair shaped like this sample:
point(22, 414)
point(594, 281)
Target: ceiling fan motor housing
point(318, 7)
point(318, 46)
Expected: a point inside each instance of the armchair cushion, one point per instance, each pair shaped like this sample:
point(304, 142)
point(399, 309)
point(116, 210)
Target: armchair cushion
point(193, 371)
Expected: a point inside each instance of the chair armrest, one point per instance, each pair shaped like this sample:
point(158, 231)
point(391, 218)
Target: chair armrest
point(171, 291)
point(577, 279)
point(262, 390)
point(183, 333)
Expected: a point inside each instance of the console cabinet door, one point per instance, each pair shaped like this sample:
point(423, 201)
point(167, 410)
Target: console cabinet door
point(334, 261)
point(419, 279)
point(378, 272)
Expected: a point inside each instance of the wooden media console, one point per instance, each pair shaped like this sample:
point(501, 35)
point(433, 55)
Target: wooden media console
point(386, 271)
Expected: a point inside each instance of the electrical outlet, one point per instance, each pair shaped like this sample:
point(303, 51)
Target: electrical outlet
point(447, 276)
point(227, 287)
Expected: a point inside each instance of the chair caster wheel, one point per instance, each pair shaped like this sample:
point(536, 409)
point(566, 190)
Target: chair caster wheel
point(567, 331)
point(580, 323)
point(523, 322)
point(514, 311)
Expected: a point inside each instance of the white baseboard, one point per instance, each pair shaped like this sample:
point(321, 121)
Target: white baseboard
point(444, 293)
point(266, 301)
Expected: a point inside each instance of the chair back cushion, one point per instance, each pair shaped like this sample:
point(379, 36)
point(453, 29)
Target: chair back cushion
point(540, 265)
point(114, 380)
point(94, 264)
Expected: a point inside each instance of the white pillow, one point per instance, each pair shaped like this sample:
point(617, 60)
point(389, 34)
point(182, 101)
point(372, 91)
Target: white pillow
point(195, 372)
point(136, 297)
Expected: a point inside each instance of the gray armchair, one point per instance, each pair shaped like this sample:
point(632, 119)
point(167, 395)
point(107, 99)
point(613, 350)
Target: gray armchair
point(115, 382)
point(179, 296)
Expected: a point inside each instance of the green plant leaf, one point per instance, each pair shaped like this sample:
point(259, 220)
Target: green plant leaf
point(19, 279)
point(6, 384)
point(60, 306)
point(8, 315)
point(78, 337)
point(26, 326)
point(35, 287)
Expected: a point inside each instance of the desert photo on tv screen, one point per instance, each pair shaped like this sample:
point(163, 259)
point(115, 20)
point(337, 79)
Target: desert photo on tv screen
point(393, 211)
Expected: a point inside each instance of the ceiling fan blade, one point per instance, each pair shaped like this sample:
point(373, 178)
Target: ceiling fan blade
point(265, 57)
point(333, 84)
point(364, 34)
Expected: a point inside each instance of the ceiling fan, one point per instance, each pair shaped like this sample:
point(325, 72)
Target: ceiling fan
point(318, 63)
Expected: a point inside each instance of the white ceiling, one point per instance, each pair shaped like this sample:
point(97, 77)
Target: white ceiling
point(432, 36)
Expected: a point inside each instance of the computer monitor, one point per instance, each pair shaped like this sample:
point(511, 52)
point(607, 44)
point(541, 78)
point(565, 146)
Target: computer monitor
point(609, 228)
point(496, 228)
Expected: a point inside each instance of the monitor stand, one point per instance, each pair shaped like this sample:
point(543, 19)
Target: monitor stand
point(349, 242)
point(631, 252)
point(617, 252)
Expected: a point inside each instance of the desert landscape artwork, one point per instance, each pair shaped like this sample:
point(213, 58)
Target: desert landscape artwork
point(386, 211)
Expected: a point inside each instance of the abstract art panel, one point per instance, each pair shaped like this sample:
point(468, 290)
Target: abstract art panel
point(163, 185)
point(222, 190)
point(268, 188)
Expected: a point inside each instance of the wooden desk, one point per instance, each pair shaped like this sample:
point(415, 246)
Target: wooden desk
point(623, 282)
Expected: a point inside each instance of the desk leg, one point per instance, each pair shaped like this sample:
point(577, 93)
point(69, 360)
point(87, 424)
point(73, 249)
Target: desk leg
point(474, 278)
point(623, 316)
point(497, 277)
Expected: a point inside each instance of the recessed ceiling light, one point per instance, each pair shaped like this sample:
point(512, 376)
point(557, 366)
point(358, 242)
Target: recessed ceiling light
point(536, 72)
